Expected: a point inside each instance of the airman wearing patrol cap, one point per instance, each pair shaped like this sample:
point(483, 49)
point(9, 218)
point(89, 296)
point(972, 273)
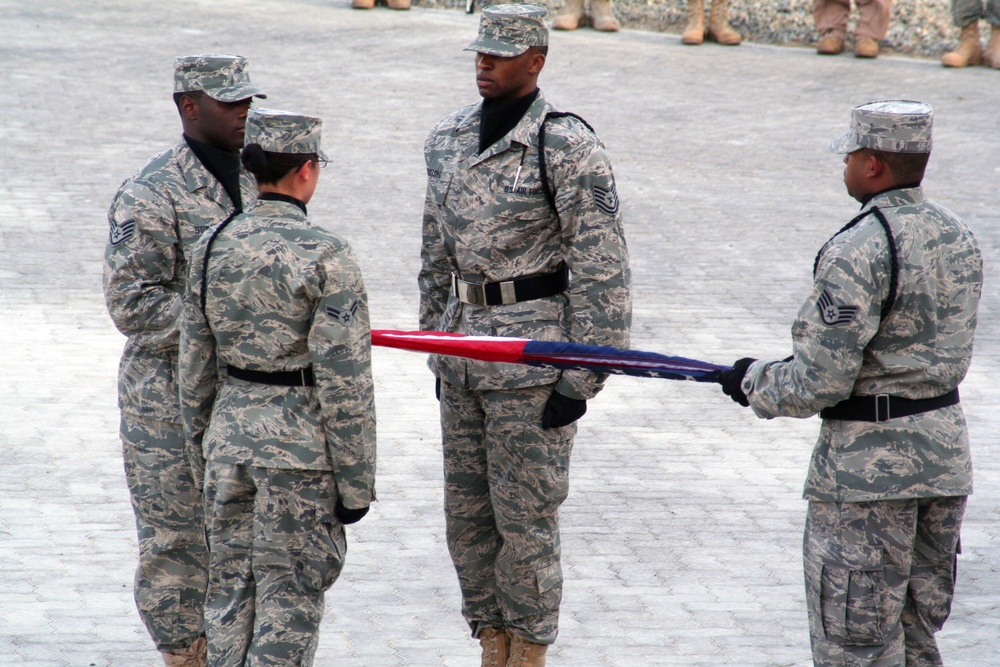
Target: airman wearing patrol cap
point(279, 303)
point(880, 347)
point(522, 234)
point(155, 217)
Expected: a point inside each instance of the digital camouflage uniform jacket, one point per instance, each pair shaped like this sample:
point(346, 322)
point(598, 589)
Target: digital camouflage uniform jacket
point(921, 349)
point(481, 224)
point(155, 218)
point(283, 294)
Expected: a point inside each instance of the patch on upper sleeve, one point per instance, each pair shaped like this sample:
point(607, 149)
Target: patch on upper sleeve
point(834, 314)
point(344, 315)
point(606, 198)
point(121, 232)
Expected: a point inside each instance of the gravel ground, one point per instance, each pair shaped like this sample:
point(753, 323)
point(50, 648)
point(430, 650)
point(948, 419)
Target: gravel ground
point(919, 28)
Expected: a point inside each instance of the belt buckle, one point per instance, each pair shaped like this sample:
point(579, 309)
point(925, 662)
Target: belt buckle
point(882, 414)
point(474, 293)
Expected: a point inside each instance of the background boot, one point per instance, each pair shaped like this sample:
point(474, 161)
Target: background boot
point(694, 31)
point(719, 29)
point(969, 50)
point(496, 647)
point(992, 55)
point(570, 16)
point(195, 655)
point(525, 654)
point(830, 44)
point(602, 18)
point(866, 47)
point(397, 4)
point(362, 4)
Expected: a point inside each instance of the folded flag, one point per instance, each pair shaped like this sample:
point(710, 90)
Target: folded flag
point(596, 358)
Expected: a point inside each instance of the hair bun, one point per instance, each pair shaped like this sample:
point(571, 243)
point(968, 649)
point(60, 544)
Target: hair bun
point(254, 158)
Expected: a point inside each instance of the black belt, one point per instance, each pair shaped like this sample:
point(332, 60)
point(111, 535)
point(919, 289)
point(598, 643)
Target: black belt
point(885, 407)
point(302, 377)
point(507, 292)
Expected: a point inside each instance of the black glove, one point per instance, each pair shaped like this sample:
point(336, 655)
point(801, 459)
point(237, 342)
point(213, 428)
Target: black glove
point(347, 516)
point(437, 388)
point(732, 380)
point(562, 410)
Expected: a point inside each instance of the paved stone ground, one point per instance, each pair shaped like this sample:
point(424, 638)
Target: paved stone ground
point(682, 532)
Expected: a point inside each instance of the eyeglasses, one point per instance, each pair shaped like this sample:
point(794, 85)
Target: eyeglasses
point(322, 161)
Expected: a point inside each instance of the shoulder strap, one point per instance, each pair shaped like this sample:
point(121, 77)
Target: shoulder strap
point(208, 251)
point(890, 299)
point(543, 172)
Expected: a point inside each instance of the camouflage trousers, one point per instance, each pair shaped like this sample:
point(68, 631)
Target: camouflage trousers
point(173, 556)
point(880, 578)
point(505, 478)
point(276, 547)
point(964, 12)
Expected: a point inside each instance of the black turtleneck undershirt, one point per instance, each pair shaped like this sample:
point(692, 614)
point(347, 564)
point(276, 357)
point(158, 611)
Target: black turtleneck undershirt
point(499, 118)
point(224, 165)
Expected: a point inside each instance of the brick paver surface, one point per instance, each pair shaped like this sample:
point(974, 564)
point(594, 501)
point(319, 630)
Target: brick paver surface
point(682, 532)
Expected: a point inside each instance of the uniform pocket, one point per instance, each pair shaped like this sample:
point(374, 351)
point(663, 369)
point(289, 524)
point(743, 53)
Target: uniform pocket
point(549, 577)
point(301, 532)
point(852, 600)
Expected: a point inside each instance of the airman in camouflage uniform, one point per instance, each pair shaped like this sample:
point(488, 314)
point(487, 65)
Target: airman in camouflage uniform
point(155, 217)
point(881, 345)
point(499, 259)
point(278, 404)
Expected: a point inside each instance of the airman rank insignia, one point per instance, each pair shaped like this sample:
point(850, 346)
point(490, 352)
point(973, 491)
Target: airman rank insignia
point(833, 314)
point(606, 199)
point(344, 315)
point(121, 232)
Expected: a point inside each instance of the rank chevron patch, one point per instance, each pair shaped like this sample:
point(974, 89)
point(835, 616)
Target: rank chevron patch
point(121, 232)
point(833, 314)
point(344, 315)
point(606, 199)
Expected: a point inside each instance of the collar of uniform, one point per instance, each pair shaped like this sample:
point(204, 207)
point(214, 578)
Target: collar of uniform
point(197, 176)
point(896, 197)
point(286, 207)
point(524, 133)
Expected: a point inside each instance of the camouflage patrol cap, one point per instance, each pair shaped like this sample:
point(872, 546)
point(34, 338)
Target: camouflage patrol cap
point(284, 132)
point(893, 126)
point(510, 30)
point(224, 78)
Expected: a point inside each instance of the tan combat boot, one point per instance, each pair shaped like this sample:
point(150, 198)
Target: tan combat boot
point(866, 47)
point(694, 31)
point(397, 4)
point(602, 18)
point(719, 29)
point(968, 52)
point(991, 57)
point(496, 647)
point(525, 654)
point(830, 44)
point(570, 16)
point(195, 655)
point(362, 4)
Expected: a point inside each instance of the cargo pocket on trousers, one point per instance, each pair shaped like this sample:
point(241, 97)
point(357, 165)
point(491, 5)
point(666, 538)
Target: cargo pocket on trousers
point(852, 605)
point(549, 580)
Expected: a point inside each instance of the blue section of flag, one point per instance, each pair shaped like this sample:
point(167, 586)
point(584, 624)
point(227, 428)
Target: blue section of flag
point(603, 359)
